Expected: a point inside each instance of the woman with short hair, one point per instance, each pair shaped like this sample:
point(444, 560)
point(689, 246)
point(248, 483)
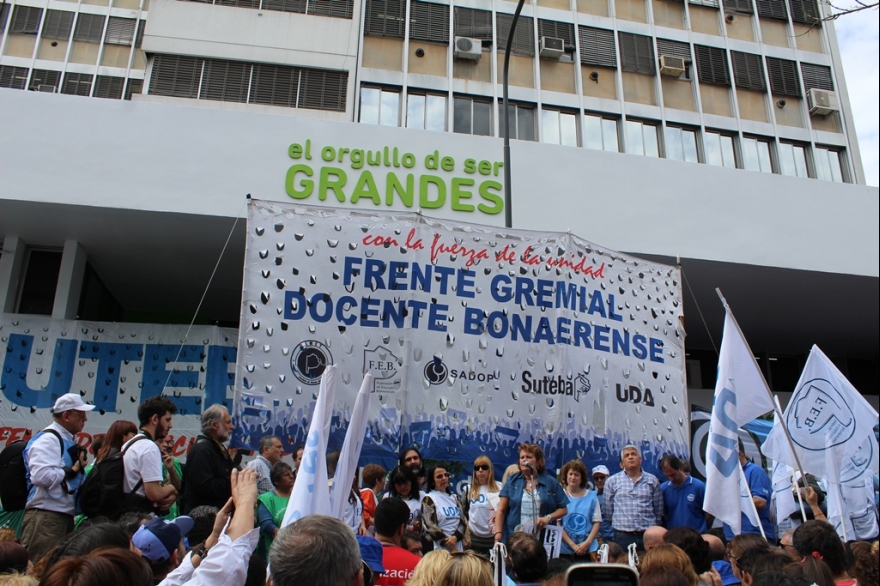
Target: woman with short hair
point(272, 505)
point(580, 525)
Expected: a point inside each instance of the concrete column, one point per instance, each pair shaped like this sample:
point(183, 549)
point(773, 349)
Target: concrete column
point(70, 281)
point(11, 263)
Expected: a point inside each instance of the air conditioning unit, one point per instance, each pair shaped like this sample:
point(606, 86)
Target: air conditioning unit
point(672, 66)
point(49, 89)
point(552, 48)
point(822, 102)
point(467, 48)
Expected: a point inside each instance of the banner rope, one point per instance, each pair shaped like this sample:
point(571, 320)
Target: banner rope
point(694, 297)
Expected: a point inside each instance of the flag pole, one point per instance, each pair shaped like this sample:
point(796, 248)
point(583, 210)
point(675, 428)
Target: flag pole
point(794, 484)
point(742, 477)
point(843, 513)
point(776, 410)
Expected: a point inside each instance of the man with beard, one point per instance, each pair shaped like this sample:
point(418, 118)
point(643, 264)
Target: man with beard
point(143, 459)
point(208, 466)
point(411, 458)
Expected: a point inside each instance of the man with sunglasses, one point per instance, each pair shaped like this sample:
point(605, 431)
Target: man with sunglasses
point(391, 518)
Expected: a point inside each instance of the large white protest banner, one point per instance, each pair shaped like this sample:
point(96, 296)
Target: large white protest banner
point(478, 338)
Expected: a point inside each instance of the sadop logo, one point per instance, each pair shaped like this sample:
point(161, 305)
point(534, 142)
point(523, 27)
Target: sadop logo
point(436, 372)
point(820, 419)
point(309, 361)
point(576, 526)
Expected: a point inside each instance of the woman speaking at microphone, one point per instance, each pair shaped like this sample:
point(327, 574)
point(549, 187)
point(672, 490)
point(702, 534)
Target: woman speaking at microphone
point(531, 499)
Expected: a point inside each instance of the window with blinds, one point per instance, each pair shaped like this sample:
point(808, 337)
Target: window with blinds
point(14, 78)
point(597, 46)
point(676, 49)
point(58, 24)
point(523, 37)
point(331, 8)
point(712, 65)
point(772, 9)
point(817, 76)
point(44, 79)
point(636, 53)
point(135, 86)
point(176, 76)
point(89, 28)
point(120, 31)
point(323, 90)
point(139, 37)
point(385, 18)
point(429, 22)
point(298, 6)
point(706, 3)
point(740, 6)
point(108, 86)
point(805, 11)
point(556, 29)
point(275, 85)
point(4, 15)
point(25, 20)
point(77, 84)
point(748, 71)
point(783, 77)
point(239, 3)
point(473, 23)
point(225, 81)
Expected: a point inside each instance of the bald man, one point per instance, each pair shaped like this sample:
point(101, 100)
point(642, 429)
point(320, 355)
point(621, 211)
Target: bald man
point(653, 537)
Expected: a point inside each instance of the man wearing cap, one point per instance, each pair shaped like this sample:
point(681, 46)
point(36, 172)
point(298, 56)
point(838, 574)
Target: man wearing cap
point(161, 544)
point(600, 475)
point(390, 520)
point(55, 465)
point(633, 500)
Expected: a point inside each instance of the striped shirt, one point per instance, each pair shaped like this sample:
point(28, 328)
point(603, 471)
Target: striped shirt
point(632, 506)
point(264, 473)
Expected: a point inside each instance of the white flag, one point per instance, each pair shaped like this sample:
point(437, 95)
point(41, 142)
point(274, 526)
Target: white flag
point(830, 423)
point(311, 494)
point(351, 449)
point(851, 509)
point(741, 394)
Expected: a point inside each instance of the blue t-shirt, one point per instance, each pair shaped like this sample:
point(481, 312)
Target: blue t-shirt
point(606, 531)
point(578, 522)
point(759, 484)
point(683, 505)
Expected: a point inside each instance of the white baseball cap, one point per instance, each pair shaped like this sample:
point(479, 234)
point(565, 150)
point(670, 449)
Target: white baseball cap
point(601, 470)
point(70, 401)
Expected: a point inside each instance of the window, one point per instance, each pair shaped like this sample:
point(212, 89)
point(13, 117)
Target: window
point(4, 16)
point(25, 20)
point(176, 76)
point(298, 6)
point(559, 30)
point(77, 84)
point(385, 18)
point(523, 38)
point(597, 47)
point(274, 85)
point(120, 31)
point(793, 159)
point(380, 106)
point(805, 11)
point(425, 111)
point(772, 9)
point(139, 37)
point(637, 53)
point(641, 138)
point(429, 22)
point(718, 149)
point(476, 24)
point(748, 71)
point(45, 80)
point(331, 8)
point(756, 154)
point(57, 24)
point(817, 76)
point(323, 89)
point(559, 127)
point(828, 164)
point(89, 28)
point(600, 134)
point(783, 77)
point(109, 87)
point(676, 49)
point(471, 116)
point(741, 6)
point(37, 295)
point(522, 120)
point(13, 77)
point(135, 86)
point(712, 65)
point(681, 144)
point(225, 81)
point(707, 3)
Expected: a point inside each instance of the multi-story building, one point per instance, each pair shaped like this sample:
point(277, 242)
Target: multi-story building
point(719, 131)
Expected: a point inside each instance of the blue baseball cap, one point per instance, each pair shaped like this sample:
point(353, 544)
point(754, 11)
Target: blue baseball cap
point(371, 552)
point(727, 576)
point(158, 539)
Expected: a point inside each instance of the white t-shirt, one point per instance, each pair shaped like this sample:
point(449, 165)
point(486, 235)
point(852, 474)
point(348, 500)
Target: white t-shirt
point(143, 460)
point(481, 515)
point(353, 514)
point(448, 514)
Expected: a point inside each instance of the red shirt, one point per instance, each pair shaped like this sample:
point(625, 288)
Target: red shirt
point(399, 566)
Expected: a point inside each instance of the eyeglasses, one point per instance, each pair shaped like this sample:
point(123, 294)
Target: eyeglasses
point(368, 574)
point(481, 467)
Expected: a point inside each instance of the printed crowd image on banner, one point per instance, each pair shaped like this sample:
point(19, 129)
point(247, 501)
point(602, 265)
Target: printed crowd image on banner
point(479, 338)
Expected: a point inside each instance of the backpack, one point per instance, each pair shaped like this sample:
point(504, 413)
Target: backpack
point(102, 492)
point(15, 486)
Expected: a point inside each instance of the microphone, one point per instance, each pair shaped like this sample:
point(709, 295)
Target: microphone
point(531, 467)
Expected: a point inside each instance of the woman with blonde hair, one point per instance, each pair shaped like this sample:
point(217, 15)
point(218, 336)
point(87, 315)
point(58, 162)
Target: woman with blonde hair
point(465, 569)
point(429, 568)
point(670, 556)
point(480, 505)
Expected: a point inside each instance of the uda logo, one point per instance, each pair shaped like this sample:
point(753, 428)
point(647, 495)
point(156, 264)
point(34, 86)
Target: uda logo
point(820, 419)
point(309, 361)
point(384, 366)
point(691, 497)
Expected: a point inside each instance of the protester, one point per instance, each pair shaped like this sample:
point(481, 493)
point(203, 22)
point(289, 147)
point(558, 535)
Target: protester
point(111, 567)
point(683, 497)
point(526, 558)
point(203, 518)
point(429, 568)
point(208, 465)
point(693, 545)
point(161, 543)
point(412, 542)
point(662, 576)
point(740, 544)
point(404, 485)
point(374, 482)
point(531, 499)
point(866, 565)
point(55, 467)
point(14, 558)
point(391, 517)
point(465, 569)
point(820, 539)
point(316, 550)
point(580, 525)
point(786, 544)
point(131, 522)
point(16, 579)
point(480, 505)
point(270, 452)
point(761, 489)
point(412, 458)
point(273, 505)
point(654, 536)
point(85, 541)
point(443, 521)
point(172, 472)
point(119, 433)
point(600, 476)
point(143, 459)
point(298, 452)
point(633, 500)
point(371, 556)
point(667, 555)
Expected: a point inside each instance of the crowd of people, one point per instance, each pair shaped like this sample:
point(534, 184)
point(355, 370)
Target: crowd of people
point(214, 522)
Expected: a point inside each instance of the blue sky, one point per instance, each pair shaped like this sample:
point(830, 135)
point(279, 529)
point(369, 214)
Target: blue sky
point(857, 35)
